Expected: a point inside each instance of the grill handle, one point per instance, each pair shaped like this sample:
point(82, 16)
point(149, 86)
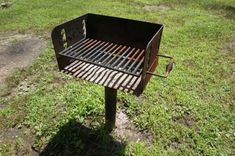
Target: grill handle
point(169, 67)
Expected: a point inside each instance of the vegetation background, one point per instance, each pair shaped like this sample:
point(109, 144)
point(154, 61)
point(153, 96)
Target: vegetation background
point(190, 113)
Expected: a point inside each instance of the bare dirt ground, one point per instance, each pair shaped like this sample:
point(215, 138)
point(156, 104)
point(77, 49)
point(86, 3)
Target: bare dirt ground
point(126, 130)
point(18, 51)
point(153, 8)
point(21, 137)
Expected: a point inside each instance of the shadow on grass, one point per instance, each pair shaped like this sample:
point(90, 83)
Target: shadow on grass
point(77, 139)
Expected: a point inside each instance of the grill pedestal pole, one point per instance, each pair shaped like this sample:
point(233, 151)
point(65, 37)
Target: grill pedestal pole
point(110, 108)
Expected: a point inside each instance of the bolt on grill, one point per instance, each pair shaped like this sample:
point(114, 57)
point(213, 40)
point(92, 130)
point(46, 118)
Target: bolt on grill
point(120, 54)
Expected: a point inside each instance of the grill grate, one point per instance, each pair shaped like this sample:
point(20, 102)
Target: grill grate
point(103, 76)
point(106, 54)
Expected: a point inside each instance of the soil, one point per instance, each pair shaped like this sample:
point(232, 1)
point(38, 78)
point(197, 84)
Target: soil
point(186, 120)
point(24, 87)
point(152, 8)
point(174, 145)
point(141, 99)
point(227, 9)
point(229, 47)
point(18, 51)
point(126, 130)
point(21, 137)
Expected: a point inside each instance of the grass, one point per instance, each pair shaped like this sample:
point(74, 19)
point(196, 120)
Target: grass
point(190, 113)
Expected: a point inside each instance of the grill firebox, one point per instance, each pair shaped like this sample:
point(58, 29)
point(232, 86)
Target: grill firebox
point(120, 54)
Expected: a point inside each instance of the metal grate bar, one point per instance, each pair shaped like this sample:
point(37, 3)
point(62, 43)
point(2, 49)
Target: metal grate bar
point(116, 54)
point(138, 65)
point(92, 53)
point(105, 54)
point(86, 49)
point(86, 45)
point(99, 53)
point(80, 44)
point(91, 49)
point(109, 56)
point(139, 56)
point(120, 57)
point(129, 60)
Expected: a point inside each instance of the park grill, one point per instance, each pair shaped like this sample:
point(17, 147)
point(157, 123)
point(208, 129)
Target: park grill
point(120, 54)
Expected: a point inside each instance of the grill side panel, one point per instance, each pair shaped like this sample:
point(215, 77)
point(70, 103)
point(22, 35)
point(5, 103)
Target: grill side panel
point(67, 34)
point(150, 59)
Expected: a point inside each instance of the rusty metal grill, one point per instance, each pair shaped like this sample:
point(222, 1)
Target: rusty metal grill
point(106, 54)
point(117, 53)
point(113, 48)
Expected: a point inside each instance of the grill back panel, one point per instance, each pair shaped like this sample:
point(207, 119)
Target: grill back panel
point(122, 31)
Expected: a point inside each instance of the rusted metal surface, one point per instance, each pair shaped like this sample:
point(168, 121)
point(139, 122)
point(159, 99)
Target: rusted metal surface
point(108, 55)
point(120, 54)
point(122, 45)
point(169, 67)
point(103, 76)
point(110, 107)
